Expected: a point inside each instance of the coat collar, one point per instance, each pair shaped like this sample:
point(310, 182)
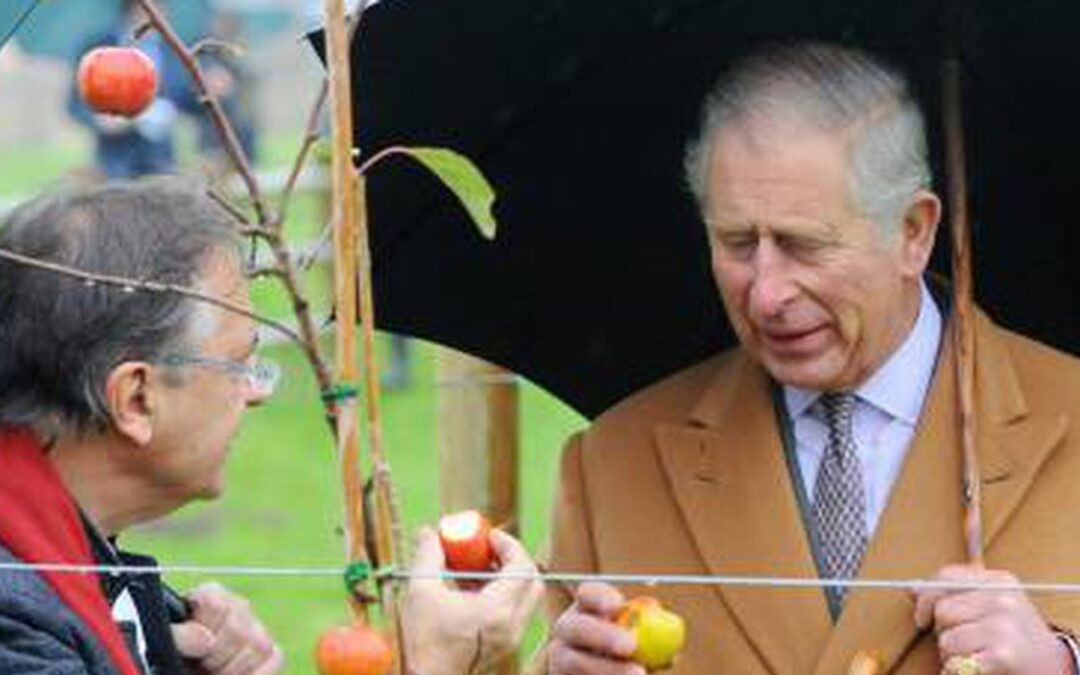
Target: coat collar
point(732, 484)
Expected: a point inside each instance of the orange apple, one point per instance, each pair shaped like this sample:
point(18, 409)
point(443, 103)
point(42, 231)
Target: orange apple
point(117, 80)
point(356, 649)
point(465, 538)
point(660, 633)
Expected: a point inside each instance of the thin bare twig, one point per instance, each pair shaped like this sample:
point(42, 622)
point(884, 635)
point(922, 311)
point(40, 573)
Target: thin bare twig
point(314, 252)
point(241, 218)
point(308, 334)
point(256, 231)
point(213, 106)
point(311, 135)
point(148, 285)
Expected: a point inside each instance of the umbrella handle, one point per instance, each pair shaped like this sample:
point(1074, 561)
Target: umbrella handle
point(963, 306)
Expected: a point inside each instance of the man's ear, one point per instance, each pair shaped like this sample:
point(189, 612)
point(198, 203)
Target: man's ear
point(129, 392)
point(919, 230)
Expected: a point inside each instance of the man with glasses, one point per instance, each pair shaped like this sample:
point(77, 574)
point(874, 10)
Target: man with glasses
point(117, 406)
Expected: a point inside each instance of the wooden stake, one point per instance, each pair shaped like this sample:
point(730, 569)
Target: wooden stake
point(963, 306)
point(478, 438)
point(503, 461)
point(503, 448)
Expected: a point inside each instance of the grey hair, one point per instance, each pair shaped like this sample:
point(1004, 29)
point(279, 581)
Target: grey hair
point(832, 89)
point(62, 337)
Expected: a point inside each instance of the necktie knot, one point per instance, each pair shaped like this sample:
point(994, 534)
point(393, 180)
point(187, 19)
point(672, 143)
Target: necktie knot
point(839, 408)
point(839, 411)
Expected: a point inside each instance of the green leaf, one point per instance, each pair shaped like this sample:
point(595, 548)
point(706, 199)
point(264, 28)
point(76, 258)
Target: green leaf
point(460, 176)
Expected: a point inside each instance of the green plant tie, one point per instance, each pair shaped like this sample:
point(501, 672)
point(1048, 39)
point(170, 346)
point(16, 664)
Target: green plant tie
point(356, 573)
point(340, 392)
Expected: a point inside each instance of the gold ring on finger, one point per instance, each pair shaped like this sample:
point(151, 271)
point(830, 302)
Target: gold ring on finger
point(962, 665)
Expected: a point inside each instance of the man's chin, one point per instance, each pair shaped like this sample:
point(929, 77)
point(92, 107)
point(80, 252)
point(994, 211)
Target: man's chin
point(810, 374)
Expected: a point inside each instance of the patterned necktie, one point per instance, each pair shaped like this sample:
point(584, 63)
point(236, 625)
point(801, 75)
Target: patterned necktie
point(839, 498)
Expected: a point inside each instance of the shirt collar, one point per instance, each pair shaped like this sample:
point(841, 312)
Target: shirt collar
point(899, 386)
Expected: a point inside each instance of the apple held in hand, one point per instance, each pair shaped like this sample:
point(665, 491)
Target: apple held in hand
point(117, 80)
point(356, 649)
point(660, 633)
point(466, 542)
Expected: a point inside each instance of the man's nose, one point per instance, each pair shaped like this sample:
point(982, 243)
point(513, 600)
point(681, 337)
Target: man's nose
point(772, 288)
point(256, 399)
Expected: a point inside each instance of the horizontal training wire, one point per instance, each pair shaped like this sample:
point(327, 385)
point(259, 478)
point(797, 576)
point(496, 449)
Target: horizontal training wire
point(558, 577)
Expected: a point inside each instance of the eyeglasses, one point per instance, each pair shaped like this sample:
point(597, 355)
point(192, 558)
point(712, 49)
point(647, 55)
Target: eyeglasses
point(262, 375)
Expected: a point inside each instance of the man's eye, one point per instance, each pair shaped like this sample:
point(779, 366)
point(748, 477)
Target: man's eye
point(800, 245)
point(738, 243)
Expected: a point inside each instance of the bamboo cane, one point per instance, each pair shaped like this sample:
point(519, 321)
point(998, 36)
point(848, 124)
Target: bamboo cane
point(351, 246)
point(963, 306)
point(343, 198)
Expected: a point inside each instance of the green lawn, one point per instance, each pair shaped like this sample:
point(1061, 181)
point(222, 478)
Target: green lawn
point(282, 506)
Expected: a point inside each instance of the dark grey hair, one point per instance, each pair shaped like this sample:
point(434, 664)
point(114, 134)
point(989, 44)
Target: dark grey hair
point(827, 88)
point(61, 337)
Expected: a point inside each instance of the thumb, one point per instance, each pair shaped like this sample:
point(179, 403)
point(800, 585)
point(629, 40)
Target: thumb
point(429, 558)
point(193, 640)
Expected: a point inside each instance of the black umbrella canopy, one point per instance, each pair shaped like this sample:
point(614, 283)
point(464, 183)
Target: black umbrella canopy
point(598, 282)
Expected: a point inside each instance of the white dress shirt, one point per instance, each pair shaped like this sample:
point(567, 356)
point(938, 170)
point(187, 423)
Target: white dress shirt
point(887, 412)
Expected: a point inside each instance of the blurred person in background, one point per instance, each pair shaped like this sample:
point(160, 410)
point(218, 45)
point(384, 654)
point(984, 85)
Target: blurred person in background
point(231, 78)
point(143, 145)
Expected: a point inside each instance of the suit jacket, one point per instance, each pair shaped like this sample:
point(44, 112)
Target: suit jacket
point(689, 477)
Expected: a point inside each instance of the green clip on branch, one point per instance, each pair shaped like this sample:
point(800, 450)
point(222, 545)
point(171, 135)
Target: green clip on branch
point(356, 575)
point(340, 392)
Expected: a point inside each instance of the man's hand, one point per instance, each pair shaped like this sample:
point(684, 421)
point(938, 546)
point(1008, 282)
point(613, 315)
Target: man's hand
point(223, 636)
point(453, 631)
point(586, 641)
point(1001, 630)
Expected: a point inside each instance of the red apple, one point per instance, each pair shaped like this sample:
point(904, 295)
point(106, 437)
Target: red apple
point(466, 542)
point(356, 649)
point(117, 80)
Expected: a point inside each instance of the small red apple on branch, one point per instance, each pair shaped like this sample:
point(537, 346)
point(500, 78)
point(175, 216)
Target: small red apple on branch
point(117, 80)
point(356, 649)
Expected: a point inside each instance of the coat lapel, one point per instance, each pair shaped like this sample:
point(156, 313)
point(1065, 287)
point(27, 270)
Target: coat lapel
point(1015, 441)
point(729, 476)
point(922, 527)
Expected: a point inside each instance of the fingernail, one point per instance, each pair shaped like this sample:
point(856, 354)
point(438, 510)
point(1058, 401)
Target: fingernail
point(625, 644)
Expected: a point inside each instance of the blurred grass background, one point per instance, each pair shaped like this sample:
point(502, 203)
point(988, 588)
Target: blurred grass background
point(282, 505)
